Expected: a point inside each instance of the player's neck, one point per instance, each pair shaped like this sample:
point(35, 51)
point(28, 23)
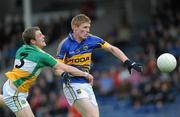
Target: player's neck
point(77, 38)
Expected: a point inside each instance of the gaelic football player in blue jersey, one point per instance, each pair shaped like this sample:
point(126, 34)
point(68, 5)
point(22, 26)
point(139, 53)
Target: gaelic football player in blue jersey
point(76, 50)
point(29, 61)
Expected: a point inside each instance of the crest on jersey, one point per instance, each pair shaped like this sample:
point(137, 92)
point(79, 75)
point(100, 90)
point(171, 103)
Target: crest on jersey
point(85, 47)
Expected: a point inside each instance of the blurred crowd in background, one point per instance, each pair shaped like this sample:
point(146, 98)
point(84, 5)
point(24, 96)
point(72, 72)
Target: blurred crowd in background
point(152, 87)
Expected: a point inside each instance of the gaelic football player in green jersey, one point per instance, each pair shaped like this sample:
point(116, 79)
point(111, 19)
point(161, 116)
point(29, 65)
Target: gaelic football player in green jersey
point(29, 61)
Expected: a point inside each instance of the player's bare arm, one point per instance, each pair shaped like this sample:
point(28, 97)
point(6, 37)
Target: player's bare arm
point(61, 67)
point(121, 56)
point(116, 52)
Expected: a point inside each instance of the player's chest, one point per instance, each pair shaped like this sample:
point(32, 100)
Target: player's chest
point(80, 48)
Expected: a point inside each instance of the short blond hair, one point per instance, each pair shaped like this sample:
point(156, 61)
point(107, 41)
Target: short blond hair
point(79, 19)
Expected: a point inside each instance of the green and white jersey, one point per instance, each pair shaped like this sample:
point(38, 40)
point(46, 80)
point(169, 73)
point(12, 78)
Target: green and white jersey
point(28, 64)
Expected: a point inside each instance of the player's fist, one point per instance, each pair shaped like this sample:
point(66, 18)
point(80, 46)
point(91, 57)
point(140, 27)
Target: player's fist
point(89, 77)
point(132, 65)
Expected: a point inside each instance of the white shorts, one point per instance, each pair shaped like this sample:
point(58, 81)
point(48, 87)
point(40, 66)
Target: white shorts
point(77, 91)
point(13, 99)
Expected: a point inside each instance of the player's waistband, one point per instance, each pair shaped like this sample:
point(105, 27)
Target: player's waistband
point(12, 86)
point(77, 80)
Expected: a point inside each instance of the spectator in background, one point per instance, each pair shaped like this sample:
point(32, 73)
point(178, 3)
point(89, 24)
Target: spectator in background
point(123, 33)
point(106, 84)
point(88, 7)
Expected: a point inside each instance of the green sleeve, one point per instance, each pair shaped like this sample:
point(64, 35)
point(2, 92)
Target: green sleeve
point(48, 60)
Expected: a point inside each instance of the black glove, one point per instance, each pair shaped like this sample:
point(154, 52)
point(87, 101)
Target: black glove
point(132, 65)
point(66, 77)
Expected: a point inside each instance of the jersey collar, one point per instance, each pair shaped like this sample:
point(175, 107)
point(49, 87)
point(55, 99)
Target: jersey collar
point(71, 36)
point(32, 46)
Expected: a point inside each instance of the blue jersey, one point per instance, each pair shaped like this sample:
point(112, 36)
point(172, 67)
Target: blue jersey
point(79, 54)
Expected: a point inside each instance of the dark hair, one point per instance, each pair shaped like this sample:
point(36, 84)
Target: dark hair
point(29, 34)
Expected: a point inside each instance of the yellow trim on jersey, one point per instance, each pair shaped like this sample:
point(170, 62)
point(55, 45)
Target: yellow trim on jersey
point(27, 84)
point(80, 59)
point(16, 74)
point(60, 60)
point(104, 45)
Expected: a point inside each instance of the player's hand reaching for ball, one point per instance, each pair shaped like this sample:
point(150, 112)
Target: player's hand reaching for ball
point(133, 65)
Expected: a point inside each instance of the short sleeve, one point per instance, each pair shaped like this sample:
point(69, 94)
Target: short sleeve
point(48, 60)
point(101, 43)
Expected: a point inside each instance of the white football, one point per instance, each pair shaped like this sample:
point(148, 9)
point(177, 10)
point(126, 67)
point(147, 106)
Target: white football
point(166, 62)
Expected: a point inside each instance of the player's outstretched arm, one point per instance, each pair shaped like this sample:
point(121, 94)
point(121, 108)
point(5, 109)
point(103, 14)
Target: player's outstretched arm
point(116, 52)
point(121, 56)
point(61, 67)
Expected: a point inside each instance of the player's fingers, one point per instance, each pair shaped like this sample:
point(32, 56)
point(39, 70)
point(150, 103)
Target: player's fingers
point(91, 83)
point(90, 76)
point(90, 80)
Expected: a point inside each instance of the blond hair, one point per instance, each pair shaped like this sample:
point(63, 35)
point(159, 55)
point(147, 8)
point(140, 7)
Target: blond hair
point(79, 19)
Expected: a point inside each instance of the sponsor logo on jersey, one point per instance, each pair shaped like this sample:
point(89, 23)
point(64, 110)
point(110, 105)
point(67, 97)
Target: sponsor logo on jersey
point(77, 60)
point(80, 59)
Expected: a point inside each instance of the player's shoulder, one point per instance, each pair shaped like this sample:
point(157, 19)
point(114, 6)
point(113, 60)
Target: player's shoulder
point(41, 54)
point(93, 36)
point(65, 41)
point(21, 49)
